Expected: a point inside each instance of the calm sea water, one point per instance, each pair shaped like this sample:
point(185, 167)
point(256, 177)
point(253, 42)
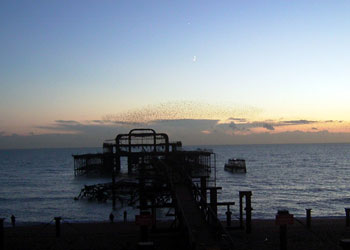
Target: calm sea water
point(36, 185)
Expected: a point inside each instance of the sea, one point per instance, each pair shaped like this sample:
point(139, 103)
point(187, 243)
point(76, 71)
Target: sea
point(37, 185)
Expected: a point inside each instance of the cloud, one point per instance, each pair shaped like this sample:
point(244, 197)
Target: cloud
point(247, 126)
point(233, 125)
point(237, 119)
point(297, 122)
point(67, 122)
point(191, 131)
point(268, 126)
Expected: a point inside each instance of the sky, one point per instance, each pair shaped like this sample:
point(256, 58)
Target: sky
point(73, 73)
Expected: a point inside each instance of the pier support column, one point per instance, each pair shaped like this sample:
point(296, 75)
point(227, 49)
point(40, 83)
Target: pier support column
point(240, 210)
point(214, 201)
point(214, 205)
point(154, 215)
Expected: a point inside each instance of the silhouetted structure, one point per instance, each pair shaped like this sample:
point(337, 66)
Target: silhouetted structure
point(164, 176)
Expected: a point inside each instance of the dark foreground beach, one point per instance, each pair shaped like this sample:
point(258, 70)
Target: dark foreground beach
point(324, 234)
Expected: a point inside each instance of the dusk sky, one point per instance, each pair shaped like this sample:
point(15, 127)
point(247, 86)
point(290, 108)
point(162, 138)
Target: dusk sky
point(73, 73)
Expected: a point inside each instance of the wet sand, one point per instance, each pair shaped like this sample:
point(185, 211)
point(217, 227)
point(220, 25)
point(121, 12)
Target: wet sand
point(325, 233)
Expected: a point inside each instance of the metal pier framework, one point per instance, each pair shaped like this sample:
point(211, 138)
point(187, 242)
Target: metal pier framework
point(164, 176)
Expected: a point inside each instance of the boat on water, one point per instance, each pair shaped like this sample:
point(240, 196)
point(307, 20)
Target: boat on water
point(236, 165)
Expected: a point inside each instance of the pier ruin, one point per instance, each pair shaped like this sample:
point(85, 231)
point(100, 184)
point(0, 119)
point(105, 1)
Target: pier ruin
point(160, 174)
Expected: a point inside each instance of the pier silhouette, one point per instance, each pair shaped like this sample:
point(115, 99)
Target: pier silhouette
point(165, 176)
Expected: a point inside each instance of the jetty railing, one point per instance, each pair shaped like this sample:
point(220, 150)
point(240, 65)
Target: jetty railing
point(208, 213)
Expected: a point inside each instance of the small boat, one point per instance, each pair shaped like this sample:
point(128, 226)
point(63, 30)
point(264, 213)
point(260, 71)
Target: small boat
point(236, 165)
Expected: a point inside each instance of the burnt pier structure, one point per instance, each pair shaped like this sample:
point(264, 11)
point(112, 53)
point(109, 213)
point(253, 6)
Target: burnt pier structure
point(160, 174)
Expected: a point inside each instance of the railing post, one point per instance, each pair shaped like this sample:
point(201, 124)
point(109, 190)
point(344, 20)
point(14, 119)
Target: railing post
point(2, 243)
point(13, 220)
point(111, 217)
point(308, 217)
point(241, 209)
point(283, 237)
point(214, 200)
point(125, 216)
point(284, 218)
point(58, 226)
point(248, 212)
point(347, 213)
point(228, 216)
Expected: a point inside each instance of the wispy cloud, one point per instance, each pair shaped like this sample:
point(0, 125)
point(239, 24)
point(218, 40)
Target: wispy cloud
point(242, 124)
point(67, 122)
point(237, 119)
point(268, 126)
point(295, 122)
point(186, 122)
